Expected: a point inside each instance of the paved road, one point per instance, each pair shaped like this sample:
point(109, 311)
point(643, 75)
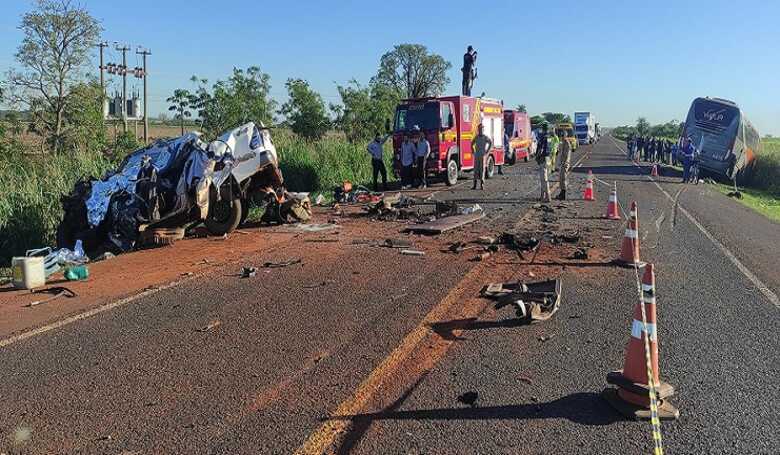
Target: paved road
point(344, 348)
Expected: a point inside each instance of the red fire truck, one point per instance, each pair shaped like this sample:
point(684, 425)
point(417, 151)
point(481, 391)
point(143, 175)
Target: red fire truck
point(518, 127)
point(450, 123)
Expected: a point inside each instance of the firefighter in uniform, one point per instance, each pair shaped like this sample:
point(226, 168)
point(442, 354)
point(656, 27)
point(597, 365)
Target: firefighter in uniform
point(480, 148)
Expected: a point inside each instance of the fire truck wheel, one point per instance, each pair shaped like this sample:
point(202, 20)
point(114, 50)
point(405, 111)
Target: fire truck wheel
point(491, 168)
point(452, 172)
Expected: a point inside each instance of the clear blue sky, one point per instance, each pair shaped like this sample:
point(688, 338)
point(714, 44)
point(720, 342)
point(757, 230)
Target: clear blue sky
point(619, 60)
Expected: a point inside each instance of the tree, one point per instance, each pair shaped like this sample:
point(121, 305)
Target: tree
point(364, 110)
point(642, 126)
point(58, 39)
point(413, 72)
point(305, 110)
point(180, 104)
point(521, 108)
point(243, 97)
point(556, 117)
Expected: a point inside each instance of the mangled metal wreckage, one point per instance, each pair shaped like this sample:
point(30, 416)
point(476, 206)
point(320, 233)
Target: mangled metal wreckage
point(172, 183)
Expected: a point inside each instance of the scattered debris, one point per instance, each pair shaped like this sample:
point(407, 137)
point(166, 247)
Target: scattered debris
point(76, 273)
point(211, 326)
point(469, 398)
point(248, 272)
point(580, 254)
point(319, 200)
point(397, 243)
point(482, 257)
point(277, 265)
point(446, 224)
point(104, 257)
point(56, 291)
point(525, 379)
point(545, 338)
point(313, 227)
point(322, 240)
point(521, 242)
point(413, 252)
point(486, 240)
point(734, 194)
point(187, 274)
point(533, 301)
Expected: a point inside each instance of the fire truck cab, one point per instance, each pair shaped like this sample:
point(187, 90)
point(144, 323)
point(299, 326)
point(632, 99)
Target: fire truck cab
point(518, 127)
point(450, 124)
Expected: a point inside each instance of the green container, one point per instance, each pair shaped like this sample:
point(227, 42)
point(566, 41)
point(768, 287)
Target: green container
point(77, 273)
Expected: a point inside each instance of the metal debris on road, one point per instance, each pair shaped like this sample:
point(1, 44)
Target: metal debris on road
point(545, 338)
point(397, 243)
point(248, 272)
point(580, 254)
point(211, 326)
point(277, 265)
point(482, 257)
point(413, 253)
point(446, 224)
point(486, 240)
point(535, 302)
point(56, 291)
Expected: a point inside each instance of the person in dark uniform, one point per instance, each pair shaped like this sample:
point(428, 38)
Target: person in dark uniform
point(469, 70)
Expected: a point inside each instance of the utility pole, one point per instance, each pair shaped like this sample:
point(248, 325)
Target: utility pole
point(102, 46)
point(124, 50)
point(145, 75)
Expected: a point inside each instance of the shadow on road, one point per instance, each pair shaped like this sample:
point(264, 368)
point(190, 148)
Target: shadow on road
point(445, 329)
point(584, 408)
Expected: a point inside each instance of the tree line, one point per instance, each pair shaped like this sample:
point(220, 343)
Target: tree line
point(670, 130)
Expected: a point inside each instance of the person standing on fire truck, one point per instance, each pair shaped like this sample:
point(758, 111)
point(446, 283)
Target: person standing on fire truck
point(469, 70)
point(480, 147)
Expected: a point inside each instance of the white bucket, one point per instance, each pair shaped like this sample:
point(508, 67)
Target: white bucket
point(28, 273)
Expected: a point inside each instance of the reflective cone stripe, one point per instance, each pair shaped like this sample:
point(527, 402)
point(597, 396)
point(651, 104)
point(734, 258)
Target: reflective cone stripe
point(588, 194)
point(629, 252)
point(612, 208)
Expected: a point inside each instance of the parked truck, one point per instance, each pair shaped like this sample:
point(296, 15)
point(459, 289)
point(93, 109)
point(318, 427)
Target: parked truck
point(585, 127)
point(450, 124)
point(517, 126)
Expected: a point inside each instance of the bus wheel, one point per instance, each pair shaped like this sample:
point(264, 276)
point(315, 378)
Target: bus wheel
point(491, 168)
point(452, 172)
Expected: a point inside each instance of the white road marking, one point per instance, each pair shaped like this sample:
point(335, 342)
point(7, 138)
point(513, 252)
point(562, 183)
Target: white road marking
point(768, 293)
point(78, 317)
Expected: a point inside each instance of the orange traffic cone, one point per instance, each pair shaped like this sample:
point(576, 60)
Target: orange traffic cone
point(654, 171)
point(612, 206)
point(588, 194)
point(629, 252)
point(632, 398)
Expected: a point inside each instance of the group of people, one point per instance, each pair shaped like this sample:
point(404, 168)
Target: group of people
point(549, 149)
point(415, 150)
point(659, 150)
point(652, 149)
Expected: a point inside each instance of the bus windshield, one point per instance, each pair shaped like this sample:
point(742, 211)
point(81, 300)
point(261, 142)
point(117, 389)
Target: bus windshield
point(423, 115)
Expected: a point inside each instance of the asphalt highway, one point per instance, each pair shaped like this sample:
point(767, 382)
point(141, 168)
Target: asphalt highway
point(360, 349)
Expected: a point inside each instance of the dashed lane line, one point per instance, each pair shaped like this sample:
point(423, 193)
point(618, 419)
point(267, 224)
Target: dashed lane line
point(768, 293)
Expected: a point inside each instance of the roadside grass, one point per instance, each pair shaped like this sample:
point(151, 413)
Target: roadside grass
point(30, 208)
point(763, 202)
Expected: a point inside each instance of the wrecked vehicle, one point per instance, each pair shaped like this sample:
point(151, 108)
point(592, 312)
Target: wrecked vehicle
point(170, 184)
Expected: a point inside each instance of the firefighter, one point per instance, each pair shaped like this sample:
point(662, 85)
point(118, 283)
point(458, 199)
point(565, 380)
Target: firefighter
point(422, 150)
point(407, 159)
point(565, 162)
point(543, 160)
point(469, 70)
point(376, 150)
point(480, 148)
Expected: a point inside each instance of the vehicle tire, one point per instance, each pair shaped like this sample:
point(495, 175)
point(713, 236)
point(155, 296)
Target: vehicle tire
point(491, 168)
point(224, 216)
point(244, 212)
point(451, 177)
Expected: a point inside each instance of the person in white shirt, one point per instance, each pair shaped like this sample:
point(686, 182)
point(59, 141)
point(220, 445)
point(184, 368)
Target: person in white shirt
point(422, 150)
point(376, 150)
point(408, 150)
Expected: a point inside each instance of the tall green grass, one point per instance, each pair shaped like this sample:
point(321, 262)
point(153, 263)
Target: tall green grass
point(30, 206)
point(32, 184)
point(767, 170)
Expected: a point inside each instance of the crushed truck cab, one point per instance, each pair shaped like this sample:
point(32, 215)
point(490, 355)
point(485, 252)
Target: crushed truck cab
point(450, 124)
